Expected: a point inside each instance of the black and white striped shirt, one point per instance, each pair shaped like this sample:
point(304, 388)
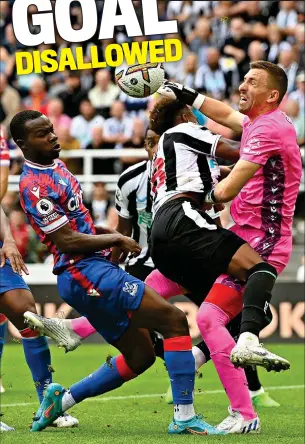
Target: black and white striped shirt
point(185, 162)
point(133, 201)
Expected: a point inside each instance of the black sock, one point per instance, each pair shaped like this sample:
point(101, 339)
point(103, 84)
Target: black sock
point(234, 327)
point(158, 343)
point(252, 378)
point(257, 295)
point(204, 348)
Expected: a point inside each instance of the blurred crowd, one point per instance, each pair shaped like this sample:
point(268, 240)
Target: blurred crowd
point(88, 110)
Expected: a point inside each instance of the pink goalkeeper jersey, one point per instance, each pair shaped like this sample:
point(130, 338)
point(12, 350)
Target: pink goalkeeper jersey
point(268, 200)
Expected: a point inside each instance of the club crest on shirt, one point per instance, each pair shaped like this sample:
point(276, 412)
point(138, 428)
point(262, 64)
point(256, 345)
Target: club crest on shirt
point(44, 207)
point(252, 145)
point(130, 288)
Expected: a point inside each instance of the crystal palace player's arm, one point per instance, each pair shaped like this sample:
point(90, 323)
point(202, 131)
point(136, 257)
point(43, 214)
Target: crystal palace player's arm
point(69, 241)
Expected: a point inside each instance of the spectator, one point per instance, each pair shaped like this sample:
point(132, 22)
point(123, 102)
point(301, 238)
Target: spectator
point(10, 100)
point(136, 141)
point(81, 126)
point(134, 106)
point(236, 46)
point(55, 113)
point(104, 93)
point(293, 112)
point(20, 231)
point(172, 68)
point(118, 128)
point(276, 44)
point(200, 39)
point(290, 67)
point(23, 83)
point(68, 143)
point(188, 76)
point(10, 41)
point(287, 17)
point(38, 97)
point(210, 77)
point(24, 235)
point(100, 204)
point(66, 140)
point(257, 51)
point(299, 94)
point(73, 94)
point(4, 58)
point(299, 47)
point(4, 18)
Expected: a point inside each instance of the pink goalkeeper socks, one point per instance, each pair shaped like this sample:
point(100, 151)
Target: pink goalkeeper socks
point(165, 287)
point(212, 322)
point(82, 327)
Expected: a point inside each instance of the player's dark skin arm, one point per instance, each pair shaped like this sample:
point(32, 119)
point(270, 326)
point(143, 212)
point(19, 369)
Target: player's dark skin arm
point(228, 149)
point(104, 230)
point(72, 242)
point(125, 228)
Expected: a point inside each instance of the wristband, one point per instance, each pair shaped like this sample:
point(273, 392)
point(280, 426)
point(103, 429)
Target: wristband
point(198, 102)
point(210, 197)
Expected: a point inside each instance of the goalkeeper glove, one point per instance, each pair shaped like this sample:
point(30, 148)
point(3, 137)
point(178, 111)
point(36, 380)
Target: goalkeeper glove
point(176, 91)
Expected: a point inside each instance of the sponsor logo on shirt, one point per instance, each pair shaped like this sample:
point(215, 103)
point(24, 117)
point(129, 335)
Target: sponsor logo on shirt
point(252, 145)
point(46, 220)
point(130, 288)
point(75, 201)
point(145, 219)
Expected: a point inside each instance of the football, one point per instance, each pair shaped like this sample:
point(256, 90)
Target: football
point(140, 80)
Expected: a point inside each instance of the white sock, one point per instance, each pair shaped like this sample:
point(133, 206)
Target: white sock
point(199, 357)
point(248, 339)
point(256, 392)
point(184, 412)
point(67, 401)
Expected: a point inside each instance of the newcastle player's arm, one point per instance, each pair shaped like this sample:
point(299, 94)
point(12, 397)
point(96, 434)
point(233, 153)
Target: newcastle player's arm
point(123, 190)
point(227, 149)
point(258, 150)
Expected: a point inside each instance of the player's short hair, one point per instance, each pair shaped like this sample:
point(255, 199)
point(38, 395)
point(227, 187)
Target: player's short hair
point(17, 125)
point(164, 114)
point(277, 76)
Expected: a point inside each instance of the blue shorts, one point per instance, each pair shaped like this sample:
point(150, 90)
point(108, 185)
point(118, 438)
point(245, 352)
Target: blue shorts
point(103, 293)
point(9, 280)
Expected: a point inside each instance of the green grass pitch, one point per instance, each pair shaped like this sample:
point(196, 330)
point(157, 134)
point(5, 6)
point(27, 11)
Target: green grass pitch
point(136, 413)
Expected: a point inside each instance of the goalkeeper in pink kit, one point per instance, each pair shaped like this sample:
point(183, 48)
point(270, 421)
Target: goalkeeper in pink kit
point(263, 185)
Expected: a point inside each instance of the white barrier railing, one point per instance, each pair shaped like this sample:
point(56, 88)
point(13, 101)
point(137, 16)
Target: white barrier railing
point(88, 156)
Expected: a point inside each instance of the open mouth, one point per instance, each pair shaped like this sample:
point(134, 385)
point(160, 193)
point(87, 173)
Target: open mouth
point(243, 99)
point(57, 147)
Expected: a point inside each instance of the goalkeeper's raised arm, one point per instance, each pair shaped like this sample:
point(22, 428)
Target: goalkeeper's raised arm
point(213, 109)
